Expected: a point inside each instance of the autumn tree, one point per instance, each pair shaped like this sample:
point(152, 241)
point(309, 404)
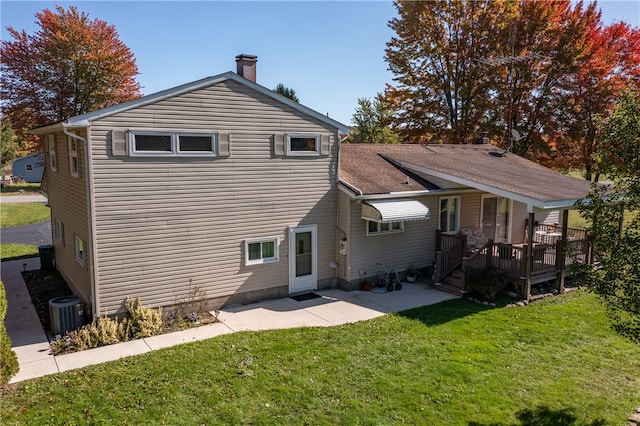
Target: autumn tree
point(469, 66)
point(71, 66)
point(611, 64)
point(442, 92)
point(371, 122)
point(287, 92)
point(614, 214)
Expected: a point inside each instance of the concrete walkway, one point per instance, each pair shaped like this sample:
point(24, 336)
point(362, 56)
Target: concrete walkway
point(334, 307)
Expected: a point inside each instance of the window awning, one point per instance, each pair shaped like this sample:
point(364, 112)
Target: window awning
point(394, 210)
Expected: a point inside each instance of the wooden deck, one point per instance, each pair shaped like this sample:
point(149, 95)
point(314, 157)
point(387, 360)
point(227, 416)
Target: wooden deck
point(549, 260)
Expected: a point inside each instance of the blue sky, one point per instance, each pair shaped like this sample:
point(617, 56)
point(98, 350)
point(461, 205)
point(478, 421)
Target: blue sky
point(330, 53)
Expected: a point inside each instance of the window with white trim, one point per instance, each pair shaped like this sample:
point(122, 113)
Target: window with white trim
point(80, 247)
point(53, 159)
point(302, 144)
point(377, 228)
point(59, 231)
point(185, 144)
point(74, 165)
point(261, 250)
point(449, 214)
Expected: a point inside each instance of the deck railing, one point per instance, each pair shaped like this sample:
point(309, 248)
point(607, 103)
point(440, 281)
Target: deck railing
point(449, 253)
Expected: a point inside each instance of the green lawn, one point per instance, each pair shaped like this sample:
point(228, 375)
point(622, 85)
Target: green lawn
point(15, 214)
point(21, 188)
point(555, 362)
point(17, 251)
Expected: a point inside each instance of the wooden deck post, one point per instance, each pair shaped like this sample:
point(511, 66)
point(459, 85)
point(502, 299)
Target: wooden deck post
point(560, 255)
point(528, 260)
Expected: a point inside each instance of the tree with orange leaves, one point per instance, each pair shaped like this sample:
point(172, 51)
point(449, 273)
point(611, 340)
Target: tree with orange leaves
point(610, 66)
point(71, 66)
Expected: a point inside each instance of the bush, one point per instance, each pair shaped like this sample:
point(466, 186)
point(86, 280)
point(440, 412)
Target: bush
point(485, 285)
point(8, 360)
point(139, 322)
point(145, 322)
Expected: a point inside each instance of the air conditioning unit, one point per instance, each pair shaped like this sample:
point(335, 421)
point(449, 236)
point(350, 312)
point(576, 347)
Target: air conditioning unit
point(66, 314)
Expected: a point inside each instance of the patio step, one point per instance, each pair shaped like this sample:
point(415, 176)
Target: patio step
point(451, 289)
point(456, 279)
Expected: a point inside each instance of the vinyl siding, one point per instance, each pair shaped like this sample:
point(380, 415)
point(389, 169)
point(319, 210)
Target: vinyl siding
point(415, 246)
point(167, 224)
point(344, 231)
point(68, 202)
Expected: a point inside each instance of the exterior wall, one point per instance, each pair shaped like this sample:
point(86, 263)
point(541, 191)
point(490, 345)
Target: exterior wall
point(415, 246)
point(19, 168)
point(165, 225)
point(519, 217)
point(68, 202)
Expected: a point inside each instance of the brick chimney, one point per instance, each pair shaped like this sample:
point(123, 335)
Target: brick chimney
point(247, 66)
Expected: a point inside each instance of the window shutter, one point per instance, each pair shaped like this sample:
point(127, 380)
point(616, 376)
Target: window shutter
point(278, 145)
point(224, 144)
point(118, 142)
point(325, 144)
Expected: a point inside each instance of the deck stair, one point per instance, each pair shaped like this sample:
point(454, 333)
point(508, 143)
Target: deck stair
point(454, 283)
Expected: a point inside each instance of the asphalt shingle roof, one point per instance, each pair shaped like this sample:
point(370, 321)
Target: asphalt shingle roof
point(479, 166)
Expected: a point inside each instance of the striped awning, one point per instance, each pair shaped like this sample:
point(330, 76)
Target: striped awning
point(394, 210)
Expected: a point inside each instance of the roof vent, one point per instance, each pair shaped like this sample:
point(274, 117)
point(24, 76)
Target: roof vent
point(496, 154)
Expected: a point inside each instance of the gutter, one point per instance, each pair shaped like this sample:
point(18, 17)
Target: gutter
point(95, 305)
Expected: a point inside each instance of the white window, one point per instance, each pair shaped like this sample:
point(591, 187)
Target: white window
point(449, 214)
point(80, 248)
point(377, 228)
point(185, 144)
point(74, 166)
point(59, 231)
point(302, 144)
point(53, 159)
point(261, 250)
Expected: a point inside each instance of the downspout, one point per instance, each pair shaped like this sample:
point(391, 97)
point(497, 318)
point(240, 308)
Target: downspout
point(95, 305)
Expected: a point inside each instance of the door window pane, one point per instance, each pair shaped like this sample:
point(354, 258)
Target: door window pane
point(303, 254)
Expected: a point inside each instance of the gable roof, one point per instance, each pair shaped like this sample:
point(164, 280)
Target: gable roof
point(84, 120)
point(483, 167)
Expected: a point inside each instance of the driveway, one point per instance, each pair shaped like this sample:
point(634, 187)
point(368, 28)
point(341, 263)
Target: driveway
point(23, 199)
point(34, 234)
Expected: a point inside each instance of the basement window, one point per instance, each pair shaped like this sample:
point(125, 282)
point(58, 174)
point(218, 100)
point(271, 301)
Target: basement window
point(183, 144)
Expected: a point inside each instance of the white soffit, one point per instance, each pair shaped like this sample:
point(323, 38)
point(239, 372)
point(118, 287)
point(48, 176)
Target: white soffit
point(394, 210)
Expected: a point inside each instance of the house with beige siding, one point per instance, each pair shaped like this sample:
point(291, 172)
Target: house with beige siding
point(451, 209)
point(224, 186)
point(220, 184)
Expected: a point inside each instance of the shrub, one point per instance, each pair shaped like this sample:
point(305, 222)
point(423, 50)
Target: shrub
point(485, 285)
point(8, 360)
point(145, 322)
point(140, 322)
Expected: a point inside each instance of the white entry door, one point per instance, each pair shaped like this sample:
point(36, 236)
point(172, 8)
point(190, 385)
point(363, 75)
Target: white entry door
point(303, 259)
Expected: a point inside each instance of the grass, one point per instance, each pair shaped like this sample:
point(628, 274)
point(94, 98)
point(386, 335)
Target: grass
point(455, 363)
point(21, 189)
point(17, 251)
point(16, 214)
